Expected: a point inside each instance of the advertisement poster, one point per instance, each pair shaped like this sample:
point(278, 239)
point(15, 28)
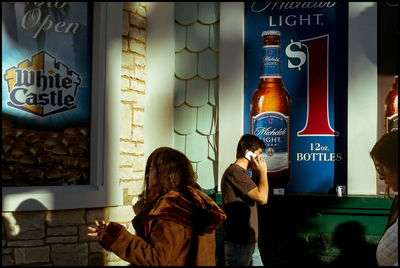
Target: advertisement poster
point(46, 89)
point(313, 63)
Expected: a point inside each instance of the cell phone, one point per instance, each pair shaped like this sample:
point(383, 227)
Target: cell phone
point(249, 154)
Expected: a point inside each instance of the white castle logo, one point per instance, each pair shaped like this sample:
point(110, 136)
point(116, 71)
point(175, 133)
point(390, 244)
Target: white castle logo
point(42, 86)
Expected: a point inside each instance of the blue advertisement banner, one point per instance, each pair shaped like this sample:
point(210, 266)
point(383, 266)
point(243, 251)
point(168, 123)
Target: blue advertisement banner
point(313, 61)
point(46, 64)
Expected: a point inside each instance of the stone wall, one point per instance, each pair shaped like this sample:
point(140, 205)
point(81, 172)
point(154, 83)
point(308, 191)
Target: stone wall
point(59, 238)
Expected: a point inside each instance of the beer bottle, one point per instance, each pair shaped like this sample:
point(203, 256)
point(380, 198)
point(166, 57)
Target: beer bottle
point(392, 107)
point(270, 109)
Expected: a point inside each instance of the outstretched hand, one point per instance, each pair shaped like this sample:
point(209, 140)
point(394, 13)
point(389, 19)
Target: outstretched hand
point(98, 229)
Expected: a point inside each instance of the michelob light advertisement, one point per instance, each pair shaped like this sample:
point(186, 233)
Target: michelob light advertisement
point(46, 73)
point(295, 91)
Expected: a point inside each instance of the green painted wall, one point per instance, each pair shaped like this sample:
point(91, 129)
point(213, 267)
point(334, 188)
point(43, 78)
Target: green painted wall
point(319, 230)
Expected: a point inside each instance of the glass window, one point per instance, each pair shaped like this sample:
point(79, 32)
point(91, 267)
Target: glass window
point(46, 92)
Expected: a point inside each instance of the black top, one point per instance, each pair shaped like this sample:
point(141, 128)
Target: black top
point(241, 225)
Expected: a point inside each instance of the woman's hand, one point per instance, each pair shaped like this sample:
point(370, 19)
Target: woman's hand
point(98, 229)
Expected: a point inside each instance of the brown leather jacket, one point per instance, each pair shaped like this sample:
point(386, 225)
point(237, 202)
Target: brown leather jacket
point(179, 230)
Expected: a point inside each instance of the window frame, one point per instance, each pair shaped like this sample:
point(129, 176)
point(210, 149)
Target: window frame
point(104, 189)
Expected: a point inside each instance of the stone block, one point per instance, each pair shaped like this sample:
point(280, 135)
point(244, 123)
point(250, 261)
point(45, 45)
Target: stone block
point(125, 83)
point(7, 250)
point(24, 225)
point(138, 175)
point(97, 259)
point(121, 214)
point(138, 118)
point(131, 6)
point(127, 59)
point(140, 72)
point(97, 214)
point(129, 95)
point(125, 121)
point(139, 60)
point(137, 21)
point(125, 23)
point(126, 160)
point(130, 174)
point(7, 260)
point(31, 255)
point(138, 134)
point(125, 172)
point(70, 254)
point(138, 85)
point(25, 243)
point(125, 44)
point(65, 217)
point(127, 147)
point(134, 187)
point(140, 148)
point(54, 231)
point(127, 199)
point(141, 11)
point(95, 247)
point(138, 163)
point(136, 47)
point(127, 72)
point(140, 101)
point(138, 34)
point(61, 239)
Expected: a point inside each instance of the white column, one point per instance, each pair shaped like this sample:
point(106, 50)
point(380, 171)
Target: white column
point(160, 69)
point(231, 95)
point(362, 97)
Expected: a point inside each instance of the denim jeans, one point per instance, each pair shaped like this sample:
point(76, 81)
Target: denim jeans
point(242, 255)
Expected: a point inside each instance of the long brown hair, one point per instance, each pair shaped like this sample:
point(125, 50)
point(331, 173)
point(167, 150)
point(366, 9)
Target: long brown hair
point(173, 171)
point(385, 151)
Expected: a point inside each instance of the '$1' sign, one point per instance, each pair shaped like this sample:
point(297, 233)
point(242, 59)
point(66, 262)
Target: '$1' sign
point(317, 123)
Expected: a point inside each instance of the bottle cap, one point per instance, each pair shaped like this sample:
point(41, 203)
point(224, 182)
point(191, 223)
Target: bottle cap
point(271, 32)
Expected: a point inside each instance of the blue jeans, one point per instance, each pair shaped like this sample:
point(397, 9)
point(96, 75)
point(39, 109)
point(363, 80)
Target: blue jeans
point(242, 255)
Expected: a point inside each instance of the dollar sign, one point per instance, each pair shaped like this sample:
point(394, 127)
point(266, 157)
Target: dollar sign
point(295, 54)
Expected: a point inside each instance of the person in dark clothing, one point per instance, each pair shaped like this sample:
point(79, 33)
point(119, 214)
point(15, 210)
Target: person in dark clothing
point(385, 157)
point(240, 194)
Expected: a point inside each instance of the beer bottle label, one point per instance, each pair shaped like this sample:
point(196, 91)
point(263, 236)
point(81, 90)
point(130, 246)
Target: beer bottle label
point(271, 62)
point(272, 128)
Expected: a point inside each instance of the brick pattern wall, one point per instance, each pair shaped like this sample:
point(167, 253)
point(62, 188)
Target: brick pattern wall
point(132, 99)
point(59, 238)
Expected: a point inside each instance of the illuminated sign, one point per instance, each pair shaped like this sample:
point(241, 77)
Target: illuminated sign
point(42, 85)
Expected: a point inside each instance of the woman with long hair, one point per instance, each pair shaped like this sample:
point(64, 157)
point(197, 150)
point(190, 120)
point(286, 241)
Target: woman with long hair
point(385, 157)
point(175, 222)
